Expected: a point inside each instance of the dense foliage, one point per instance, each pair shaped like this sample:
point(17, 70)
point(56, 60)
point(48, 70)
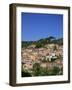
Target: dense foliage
point(42, 71)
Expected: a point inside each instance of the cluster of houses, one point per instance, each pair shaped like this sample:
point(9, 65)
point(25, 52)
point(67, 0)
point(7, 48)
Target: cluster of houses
point(44, 56)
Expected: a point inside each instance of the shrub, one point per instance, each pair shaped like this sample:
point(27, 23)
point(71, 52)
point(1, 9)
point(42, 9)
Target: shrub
point(26, 74)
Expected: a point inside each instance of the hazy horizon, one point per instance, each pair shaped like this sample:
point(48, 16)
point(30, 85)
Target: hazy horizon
point(43, 38)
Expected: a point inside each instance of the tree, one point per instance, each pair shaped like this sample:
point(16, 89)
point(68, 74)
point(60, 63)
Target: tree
point(38, 45)
point(25, 74)
point(36, 69)
point(55, 70)
point(55, 47)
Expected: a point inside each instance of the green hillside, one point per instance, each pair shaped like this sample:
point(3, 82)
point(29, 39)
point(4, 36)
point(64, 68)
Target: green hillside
point(43, 42)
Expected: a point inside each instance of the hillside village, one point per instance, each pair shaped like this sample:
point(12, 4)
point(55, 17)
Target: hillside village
point(48, 57)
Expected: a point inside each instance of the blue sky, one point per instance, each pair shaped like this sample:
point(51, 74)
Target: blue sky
point(37, 26)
